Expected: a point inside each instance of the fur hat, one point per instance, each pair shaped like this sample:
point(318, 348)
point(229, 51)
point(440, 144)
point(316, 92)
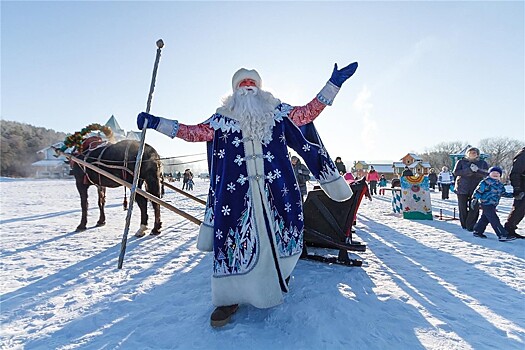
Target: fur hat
point(496, 168)
point(244, 73)
point(472, 149)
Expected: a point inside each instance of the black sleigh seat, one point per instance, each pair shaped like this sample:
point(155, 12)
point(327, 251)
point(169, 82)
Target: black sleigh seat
point(328, 224)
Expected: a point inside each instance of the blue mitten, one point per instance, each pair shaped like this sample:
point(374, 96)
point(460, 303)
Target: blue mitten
point(339, 76)
point(153, 121)
point(474, 203)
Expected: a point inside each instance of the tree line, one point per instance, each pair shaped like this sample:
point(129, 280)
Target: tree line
point(20, 143)
point(500, 151)
point(19, 146)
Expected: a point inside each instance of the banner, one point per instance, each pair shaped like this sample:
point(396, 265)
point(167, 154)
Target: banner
point(416, 198)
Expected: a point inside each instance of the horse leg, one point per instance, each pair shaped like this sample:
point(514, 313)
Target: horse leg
point(101, 203)
point(154, 187)
point(143, 206)
point(83, 192)
point(158, 223)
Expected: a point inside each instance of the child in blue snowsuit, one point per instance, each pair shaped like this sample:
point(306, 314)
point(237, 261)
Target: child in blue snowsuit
point(488, 194)
point(382, 184)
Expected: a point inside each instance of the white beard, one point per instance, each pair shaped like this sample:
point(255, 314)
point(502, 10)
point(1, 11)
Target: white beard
point(254, 109)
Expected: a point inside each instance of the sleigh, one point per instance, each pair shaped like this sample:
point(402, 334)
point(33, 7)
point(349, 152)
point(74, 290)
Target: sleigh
point(328, 224)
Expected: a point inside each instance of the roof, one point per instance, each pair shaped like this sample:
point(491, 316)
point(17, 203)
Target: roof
point(402, 165)
point(114, 125)
point(413, 155)
point(48, 162)
point(56, 145)
point(413, 165)
point(383, 168)
point(134, 135)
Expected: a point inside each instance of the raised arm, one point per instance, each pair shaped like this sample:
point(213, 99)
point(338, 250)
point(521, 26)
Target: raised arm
point(305, 114)
point(172, 128)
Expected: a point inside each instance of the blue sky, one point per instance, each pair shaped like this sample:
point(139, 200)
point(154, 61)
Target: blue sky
point(429, 72)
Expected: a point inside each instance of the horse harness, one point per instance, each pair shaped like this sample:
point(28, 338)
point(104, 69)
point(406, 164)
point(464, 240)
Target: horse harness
point(96, 145)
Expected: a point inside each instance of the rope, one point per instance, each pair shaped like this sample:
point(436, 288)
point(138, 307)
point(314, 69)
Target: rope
point(193, 161)
point(124, 168)
point(188, 155)
point(156, 159)
point(84, 169)
point(113, 166)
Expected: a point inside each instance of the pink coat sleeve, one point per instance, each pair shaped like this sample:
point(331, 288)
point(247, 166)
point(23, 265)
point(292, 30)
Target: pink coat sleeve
point(305, 114)
point(195, 133)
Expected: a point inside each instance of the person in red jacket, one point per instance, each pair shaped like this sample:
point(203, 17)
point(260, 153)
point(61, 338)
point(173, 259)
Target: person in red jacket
point(372, 178)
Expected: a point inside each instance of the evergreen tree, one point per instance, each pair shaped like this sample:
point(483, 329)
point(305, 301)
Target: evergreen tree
point(19, 146)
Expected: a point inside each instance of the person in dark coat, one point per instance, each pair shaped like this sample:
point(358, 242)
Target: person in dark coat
point(407, 172)
point(517, 180)
point(187, 180)
point(340, 166)
point(432, 178)
point(302, 175)
point(469, 171)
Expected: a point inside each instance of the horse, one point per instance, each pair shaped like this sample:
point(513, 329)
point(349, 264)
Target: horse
point(118, 159)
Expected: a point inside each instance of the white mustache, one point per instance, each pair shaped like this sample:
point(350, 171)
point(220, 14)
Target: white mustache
point(245, 90)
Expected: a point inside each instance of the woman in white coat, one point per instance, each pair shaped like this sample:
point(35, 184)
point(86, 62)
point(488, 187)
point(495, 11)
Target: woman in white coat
point(445, 179)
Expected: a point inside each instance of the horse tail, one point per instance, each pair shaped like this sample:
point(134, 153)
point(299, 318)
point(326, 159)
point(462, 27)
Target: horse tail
point(160, 169)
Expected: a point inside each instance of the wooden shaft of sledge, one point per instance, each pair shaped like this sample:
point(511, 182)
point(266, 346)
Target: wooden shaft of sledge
point(184, 193)
point(139, 191)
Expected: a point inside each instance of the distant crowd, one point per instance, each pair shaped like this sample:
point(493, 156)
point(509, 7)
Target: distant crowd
point(477, 187)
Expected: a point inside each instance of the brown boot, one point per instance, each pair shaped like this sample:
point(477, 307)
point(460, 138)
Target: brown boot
point(222, 315)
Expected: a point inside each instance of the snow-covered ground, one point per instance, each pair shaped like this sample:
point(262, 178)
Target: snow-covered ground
point(423, 284)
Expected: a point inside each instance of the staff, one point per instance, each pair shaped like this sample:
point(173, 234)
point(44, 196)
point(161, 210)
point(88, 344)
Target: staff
point(160, 45)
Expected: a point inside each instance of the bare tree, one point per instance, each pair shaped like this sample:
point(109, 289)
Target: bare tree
point(439, 155)
point(501, 151)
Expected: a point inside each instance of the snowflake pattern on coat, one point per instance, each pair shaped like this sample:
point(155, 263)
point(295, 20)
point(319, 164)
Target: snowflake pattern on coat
point(236, 198)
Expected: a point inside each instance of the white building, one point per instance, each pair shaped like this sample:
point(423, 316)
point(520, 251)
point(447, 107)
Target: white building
point(51, 166)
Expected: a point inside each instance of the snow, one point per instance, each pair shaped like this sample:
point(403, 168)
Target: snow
point(423, 284)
